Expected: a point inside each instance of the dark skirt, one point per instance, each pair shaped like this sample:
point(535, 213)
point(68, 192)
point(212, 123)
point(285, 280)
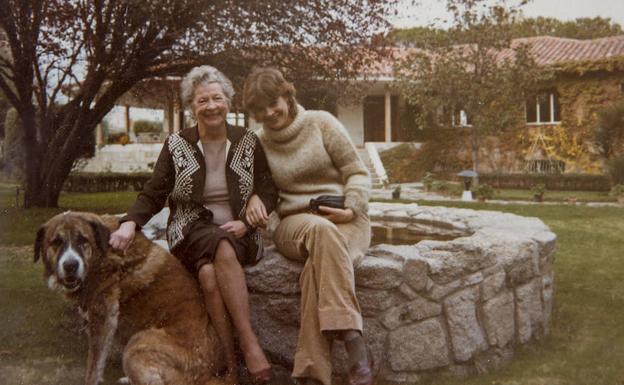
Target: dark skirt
point(200, 245)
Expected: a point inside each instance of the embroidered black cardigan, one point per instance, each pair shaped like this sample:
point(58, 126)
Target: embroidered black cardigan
point(179, 176)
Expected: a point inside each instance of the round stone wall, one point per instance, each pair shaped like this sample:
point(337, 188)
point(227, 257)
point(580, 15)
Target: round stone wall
point(456, 306)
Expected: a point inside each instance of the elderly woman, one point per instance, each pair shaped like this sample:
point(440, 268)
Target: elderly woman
point(208, 172)
point(310, 154)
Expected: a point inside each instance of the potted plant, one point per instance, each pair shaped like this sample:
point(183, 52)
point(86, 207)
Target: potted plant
point(396, 192)
point(617, 191)
point(427, 181)
point(538, 192)
point(484, 192)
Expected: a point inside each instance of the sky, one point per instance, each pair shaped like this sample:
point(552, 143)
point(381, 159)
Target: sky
point(427, 11)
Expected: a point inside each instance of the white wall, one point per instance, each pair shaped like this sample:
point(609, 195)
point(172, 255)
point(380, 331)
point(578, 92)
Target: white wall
point(126, 159)
point(353, 119)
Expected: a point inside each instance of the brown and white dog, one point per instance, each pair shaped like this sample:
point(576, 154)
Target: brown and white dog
point(145, 300)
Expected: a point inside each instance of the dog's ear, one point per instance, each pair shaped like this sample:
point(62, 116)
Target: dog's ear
point(39, 243)
point(102, 235)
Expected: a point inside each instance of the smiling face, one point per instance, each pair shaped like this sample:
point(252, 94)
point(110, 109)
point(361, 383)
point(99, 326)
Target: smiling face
point(275, 115)
point(68, 244)
point(210, 106)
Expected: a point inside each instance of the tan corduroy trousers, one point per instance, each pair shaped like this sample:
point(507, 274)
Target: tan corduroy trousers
point(328, 300)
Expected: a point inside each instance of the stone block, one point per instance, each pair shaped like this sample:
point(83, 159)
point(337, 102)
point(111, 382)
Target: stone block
point(373, 302)
point(492, 285)
point(274, 336)
point(529, 317)
point(407, 291)
point(546, 241)
point(379, 273)
point(274, 274)
point(499, 319)
point(416, 273)
point(440, 291)
point(420, 346)
point(547, 299)
point(466, 334)
point(452, 260)
point(417, 309)
point(523, 267)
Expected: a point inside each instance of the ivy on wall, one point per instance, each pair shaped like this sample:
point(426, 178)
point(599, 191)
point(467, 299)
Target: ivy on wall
point(581, 94)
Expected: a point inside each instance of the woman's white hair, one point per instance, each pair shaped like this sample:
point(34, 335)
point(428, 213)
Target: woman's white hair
point(204, 75)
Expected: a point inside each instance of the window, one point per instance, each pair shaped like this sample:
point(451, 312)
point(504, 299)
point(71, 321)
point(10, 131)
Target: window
point(460, 118)
point(543, 109)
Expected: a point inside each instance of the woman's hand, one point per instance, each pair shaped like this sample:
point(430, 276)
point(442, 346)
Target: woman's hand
point(121, 238)
point(236, 228)
point(256, 214)
point(336, 215)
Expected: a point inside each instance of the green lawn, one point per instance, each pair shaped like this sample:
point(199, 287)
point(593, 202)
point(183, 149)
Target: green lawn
point(39, 345)
point(18, 226)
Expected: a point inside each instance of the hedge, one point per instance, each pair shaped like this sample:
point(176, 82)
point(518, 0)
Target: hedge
point(570, 182)
point(89, 182)
point(147, 126)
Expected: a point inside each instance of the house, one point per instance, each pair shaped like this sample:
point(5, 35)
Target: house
point(589, 74)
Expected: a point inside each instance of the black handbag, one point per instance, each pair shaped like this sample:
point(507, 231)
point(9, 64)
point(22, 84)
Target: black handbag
point(334, 201)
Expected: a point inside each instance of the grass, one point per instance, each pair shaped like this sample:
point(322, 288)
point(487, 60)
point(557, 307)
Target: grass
point(18, 226)
point(38, 345)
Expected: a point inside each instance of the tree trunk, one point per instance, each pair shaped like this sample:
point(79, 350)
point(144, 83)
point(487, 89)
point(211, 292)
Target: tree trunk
point(475, 154)
point(47, 170)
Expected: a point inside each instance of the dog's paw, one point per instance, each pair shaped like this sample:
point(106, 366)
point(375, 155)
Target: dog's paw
point(124, 381)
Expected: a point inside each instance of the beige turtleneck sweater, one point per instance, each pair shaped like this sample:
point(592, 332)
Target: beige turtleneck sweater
point(314, 156)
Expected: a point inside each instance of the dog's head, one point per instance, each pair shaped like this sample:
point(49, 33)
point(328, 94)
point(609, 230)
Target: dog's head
point(68, 244)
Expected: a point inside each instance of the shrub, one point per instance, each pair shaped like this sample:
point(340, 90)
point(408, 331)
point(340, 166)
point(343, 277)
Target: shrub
point(571, 182)
point(396, 192)
point(616, 170)
point(402, 163)
point(90, 182)
point(149, 126)
point(118, 138)
point(428, 180)
point(617, 191)
point(484, 191)
point(538, 191)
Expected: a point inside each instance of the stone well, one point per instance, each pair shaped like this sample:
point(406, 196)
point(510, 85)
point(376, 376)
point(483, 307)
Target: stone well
point(459, 306)
point(457, 302)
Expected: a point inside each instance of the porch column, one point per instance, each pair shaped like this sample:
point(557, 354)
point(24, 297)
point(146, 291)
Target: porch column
point(99, 136)
point(168, 124)
point(388, 117)
point(128, 122)
point(178, 121)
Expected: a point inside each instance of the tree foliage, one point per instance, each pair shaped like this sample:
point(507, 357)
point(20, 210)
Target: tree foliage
point(610, 133)
point(471, 68)
point(70, 60)
point(580, 28)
